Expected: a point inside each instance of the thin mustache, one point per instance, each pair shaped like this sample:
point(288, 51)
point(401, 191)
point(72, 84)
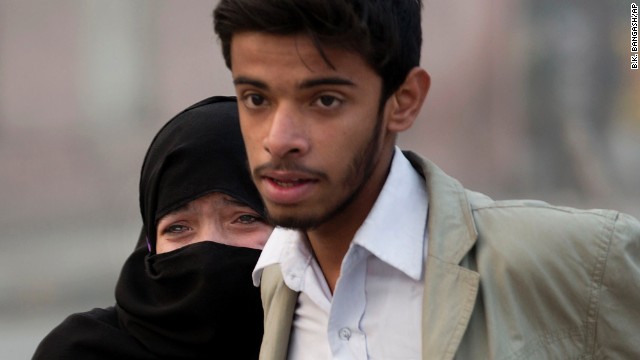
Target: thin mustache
point(287, 166)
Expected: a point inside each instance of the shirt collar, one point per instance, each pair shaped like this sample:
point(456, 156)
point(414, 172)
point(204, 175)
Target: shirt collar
point(394, 230)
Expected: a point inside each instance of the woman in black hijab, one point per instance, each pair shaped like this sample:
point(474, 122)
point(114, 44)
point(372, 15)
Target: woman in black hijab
point(179, 297)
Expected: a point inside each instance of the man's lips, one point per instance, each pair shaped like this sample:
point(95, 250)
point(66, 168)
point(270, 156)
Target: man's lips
point(286, 188)
point(288, 183)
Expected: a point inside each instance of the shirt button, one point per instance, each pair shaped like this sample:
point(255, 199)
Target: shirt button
point(344, 334)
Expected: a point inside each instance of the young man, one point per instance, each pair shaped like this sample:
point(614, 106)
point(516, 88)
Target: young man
point(379, 254)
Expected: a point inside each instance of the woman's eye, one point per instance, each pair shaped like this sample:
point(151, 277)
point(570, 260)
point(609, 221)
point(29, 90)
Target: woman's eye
point(248, 219)
point(176, 229)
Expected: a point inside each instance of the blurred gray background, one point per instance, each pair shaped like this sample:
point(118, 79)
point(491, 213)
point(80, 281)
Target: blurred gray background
point(529, 99)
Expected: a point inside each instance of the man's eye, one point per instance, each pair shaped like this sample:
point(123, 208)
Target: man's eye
point(328, 101)
point(254, 100)
point(176, 229)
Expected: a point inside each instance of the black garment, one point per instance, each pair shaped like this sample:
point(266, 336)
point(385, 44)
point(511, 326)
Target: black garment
point(196, 302)
point(92, 335)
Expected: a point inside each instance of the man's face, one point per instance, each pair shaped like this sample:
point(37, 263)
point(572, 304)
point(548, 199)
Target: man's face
point(313, 133)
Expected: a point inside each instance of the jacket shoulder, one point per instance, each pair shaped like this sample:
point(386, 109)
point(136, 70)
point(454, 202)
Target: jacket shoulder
point(536, 218)
point(567, 270)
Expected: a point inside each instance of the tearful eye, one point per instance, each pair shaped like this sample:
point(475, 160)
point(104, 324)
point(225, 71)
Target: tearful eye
point(247, 219)
point(176, 229)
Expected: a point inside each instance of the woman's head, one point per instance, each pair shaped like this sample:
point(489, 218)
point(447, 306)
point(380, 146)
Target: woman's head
point(195, 184)
point(191, 303)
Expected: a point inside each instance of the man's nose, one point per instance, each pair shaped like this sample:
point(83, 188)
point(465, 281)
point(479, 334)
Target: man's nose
point(287, 135)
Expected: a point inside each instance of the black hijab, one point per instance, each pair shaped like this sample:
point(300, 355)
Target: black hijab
point(196, 302)
point(199, 151)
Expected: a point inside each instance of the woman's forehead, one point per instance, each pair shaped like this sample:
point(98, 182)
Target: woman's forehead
point(219, 198)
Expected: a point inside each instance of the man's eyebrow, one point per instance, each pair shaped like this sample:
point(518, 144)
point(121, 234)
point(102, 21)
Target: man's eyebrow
point(243, 80)
point(306, 84)
point(325, 81)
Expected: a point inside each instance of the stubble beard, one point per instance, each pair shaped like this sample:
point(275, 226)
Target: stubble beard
point(360, 170)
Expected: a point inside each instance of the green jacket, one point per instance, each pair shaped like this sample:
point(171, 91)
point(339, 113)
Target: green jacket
point(516, 279)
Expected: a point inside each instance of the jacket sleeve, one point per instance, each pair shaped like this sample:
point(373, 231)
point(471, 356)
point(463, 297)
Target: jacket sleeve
point(616, 309)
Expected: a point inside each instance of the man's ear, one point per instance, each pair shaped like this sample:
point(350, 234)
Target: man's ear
point(405, 104)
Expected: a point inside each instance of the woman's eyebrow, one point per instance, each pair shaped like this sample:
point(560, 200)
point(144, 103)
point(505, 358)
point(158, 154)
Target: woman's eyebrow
point(179, 209)
point(234, 201)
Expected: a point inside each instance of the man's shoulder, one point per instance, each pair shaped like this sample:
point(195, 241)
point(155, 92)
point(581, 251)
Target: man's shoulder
point(554, 267)
point(526, 236)
point(541, 217)
point(525, 217)
point(529, 224)
point(481, 204)
point(558, 266)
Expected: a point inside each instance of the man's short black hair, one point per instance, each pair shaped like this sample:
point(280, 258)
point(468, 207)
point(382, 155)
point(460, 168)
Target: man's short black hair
point(386, 33)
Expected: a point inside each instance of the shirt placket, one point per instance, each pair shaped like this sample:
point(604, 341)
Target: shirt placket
point(346, 338)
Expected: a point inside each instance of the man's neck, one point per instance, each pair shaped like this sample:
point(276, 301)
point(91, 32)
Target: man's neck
point(330, 241)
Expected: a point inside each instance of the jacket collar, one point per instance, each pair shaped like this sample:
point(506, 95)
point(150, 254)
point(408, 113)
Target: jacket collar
point(450, 290)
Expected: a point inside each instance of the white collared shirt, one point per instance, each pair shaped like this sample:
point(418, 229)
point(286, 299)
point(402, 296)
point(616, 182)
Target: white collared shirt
point(376, 309)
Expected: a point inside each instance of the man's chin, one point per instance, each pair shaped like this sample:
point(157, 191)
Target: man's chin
point(294, 222)
point(293, 218)
point(303, 217)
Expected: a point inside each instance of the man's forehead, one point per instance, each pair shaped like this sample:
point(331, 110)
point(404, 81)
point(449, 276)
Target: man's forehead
point(259, 59)
point(297, 49)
